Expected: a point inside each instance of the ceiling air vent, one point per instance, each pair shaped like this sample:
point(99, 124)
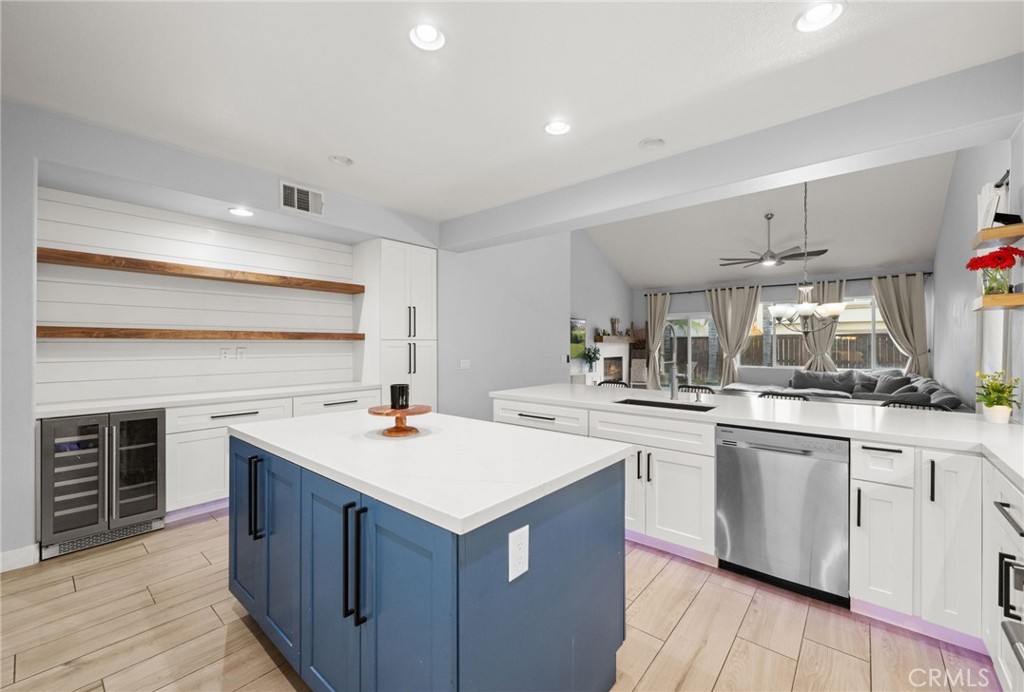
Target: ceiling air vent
point(302, 199)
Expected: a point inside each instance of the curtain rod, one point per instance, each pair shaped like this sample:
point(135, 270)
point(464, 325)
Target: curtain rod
point(788, 283)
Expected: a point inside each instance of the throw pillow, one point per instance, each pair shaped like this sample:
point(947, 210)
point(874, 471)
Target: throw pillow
point(888, 384)
point(912, 398)
point(864, 382)
point(831, 381)
point(909, 389)
point(946, 398)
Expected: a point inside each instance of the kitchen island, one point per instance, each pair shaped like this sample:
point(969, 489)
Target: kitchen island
point(382, 563)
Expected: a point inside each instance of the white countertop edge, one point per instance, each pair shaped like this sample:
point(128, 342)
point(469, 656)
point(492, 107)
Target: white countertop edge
point(1001, 458)
point(458, 525)
point(94, 406)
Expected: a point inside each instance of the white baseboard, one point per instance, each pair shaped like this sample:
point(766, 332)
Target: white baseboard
point(195, 510)
point(19, 557)
point(665, 546)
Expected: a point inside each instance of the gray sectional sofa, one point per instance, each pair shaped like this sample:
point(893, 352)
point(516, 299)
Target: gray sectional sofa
point(856, 385)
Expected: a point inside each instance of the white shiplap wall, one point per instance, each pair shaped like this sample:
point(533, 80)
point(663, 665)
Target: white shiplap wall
point(86, 369)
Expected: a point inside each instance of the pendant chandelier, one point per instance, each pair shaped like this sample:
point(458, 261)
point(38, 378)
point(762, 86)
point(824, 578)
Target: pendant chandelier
point(806, 316)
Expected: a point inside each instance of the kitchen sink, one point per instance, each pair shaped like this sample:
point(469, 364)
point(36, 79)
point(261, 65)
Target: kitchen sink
point(681, 405)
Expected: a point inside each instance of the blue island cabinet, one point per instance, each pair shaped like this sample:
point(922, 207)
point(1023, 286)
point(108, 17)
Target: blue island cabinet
point(359, 595)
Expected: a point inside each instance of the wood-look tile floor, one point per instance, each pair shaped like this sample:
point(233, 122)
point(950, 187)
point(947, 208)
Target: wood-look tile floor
point(154, 612)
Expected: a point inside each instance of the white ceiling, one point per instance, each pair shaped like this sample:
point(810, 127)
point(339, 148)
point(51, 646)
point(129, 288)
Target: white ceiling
point(886, 217)
point(280, 86)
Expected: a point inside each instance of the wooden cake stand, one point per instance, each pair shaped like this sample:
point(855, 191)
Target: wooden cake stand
point(400, 429)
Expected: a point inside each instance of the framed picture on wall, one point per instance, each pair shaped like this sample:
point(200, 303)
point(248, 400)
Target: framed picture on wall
point(577, 337)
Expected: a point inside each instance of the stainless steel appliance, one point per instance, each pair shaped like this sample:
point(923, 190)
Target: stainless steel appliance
point(1008, 540)
point(782, 509)
point(101, 478)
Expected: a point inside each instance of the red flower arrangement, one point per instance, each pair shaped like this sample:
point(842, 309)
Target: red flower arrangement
point(1000, 258)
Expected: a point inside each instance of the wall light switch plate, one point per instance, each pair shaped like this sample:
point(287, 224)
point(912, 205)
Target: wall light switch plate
point(464, 364)
point(225, 354)
point(240, 353)
point(518, 552)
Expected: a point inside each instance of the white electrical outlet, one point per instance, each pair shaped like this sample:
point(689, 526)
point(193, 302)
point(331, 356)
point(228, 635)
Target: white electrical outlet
point(464, 364)
point(225, 354)
point(518, 552)
point(240, 353)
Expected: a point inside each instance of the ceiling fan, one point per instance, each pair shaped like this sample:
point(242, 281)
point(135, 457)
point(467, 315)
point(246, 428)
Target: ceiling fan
point(769, 258)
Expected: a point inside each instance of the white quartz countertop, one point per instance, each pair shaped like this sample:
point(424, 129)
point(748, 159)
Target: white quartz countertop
point(91, 406)
point(458, 473)
point(966, 432)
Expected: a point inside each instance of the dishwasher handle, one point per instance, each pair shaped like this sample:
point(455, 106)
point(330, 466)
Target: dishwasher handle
point(779, 450)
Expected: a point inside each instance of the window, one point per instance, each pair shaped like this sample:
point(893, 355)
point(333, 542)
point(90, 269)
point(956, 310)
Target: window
point(692, 342)
point(862, 341)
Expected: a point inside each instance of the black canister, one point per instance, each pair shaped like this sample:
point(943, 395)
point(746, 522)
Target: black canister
point(399, 396)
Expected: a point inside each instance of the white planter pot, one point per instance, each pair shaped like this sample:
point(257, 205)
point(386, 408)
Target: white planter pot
point(996, 414)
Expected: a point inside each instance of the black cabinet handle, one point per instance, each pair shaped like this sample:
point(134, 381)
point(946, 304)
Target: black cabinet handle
point(550, 419)
point(254, 503)
point(408, 321)
point(408, 369)
point(1006, 563)
point(252, 492)
point(415, 359)
point(648, 467)
point(1003, 508)
point(340, 403)
point(414, 325)
point(881, 449)
point(360, 618)
point(638, 476)
point(234, 415)
point(346, 608)
point(858, 507)
point(931, 494)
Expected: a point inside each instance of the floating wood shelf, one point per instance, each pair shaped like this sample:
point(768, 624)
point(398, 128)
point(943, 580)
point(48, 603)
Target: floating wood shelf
point(599, 339)
point(208, 334)
point(1005, 301)
point(998, 235)
point(74, 258)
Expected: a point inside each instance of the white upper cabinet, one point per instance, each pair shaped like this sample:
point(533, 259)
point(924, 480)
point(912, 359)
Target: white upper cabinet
point(408, 291)
point(950, 501)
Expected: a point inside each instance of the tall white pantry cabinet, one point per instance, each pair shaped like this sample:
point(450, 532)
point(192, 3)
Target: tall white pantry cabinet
point(398, 314)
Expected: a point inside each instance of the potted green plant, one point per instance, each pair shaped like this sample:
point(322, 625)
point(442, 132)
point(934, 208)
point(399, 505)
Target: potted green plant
point(995, 393)
point(591, 354)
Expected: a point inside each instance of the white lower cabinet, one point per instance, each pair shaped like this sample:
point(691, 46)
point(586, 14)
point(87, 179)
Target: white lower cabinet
point(197, 467)
point(950, 528)
point(413, 363)
point(882, 545)
point(636, 493)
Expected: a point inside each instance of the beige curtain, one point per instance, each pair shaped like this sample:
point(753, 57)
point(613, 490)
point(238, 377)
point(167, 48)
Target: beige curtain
point(900, 299)
point(657, 317)
point(818, 340)
point(733, 311)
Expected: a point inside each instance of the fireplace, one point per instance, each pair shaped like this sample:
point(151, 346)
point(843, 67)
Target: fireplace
point(613, 368)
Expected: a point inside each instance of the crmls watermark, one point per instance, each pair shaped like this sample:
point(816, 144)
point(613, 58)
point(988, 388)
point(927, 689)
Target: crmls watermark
point(939, 677)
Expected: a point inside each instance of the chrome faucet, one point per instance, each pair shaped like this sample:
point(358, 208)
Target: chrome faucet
point(673, 379)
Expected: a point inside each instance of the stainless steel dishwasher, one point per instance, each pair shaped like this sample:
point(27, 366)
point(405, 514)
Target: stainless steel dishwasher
point(782, 510)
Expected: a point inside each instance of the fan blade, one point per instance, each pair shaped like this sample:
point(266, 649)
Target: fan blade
point(734, 263)
point(736, 259)
point(800, 255)
point(790, 251)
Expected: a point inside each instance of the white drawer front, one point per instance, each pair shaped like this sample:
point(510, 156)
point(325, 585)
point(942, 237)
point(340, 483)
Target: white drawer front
point(560, 418)
point(882, 463)
point(1012, 500)
point(665, 433)
point(222, 415)
point(335, 401)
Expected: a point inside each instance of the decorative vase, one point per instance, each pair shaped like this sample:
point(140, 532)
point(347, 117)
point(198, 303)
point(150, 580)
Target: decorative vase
point(996, 414)
point(996, 281)
point(590, 367)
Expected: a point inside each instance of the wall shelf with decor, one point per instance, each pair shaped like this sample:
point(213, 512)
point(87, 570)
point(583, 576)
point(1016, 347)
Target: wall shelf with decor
point(52, 332)
point(998, 235)
point(1003, 301)
point(601, 339)
point(74, 258)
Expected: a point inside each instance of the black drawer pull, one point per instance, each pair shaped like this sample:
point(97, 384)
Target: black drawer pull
point(858, 506)
point(255, 501)
point(234, 415)
point(639, 477)
point(1006, 565)
point(360, 618)
point(340, 403)
point(1003, 508)
point(550, 419)
point(881, 449)
point(648, 467)
point(252, 493)
point(346, 608)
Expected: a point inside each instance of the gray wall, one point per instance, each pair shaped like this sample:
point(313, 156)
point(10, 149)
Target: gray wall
point(37, 144)
point(956, 351)
point(598, 290)
point(1016, 340)
point(506, 310)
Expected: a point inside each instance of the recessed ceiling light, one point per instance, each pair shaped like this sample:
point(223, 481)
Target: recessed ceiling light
point(240, 211)
point(426, 37)
point(557, 127)
point(651, 143)
point(818, 16)
point(339, 160)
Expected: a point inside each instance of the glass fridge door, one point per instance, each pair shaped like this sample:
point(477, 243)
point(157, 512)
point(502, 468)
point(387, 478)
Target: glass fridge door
point(137, 463)
point(73, 474)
